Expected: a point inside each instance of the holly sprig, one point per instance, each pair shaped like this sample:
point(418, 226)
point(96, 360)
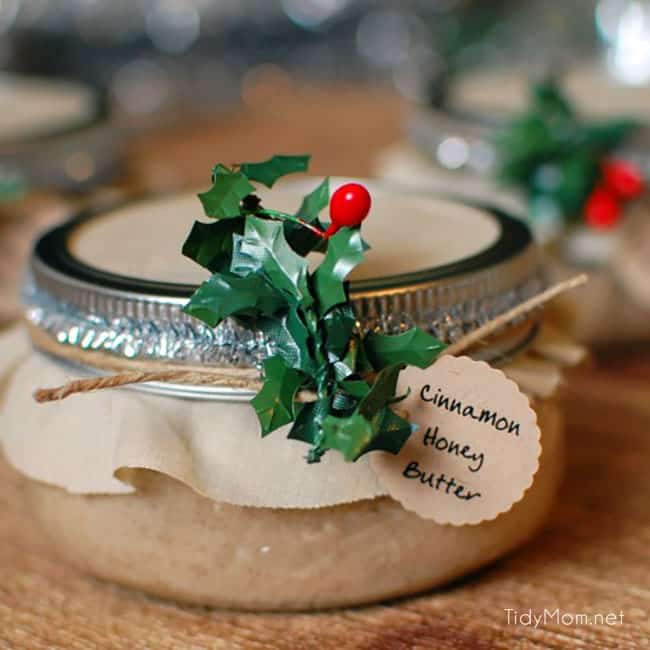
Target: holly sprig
point(334, 383)
point(563, 162)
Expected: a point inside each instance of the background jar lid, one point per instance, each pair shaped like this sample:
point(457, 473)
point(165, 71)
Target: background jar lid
point(55, 133)
point(452, 142)
point(456, 132)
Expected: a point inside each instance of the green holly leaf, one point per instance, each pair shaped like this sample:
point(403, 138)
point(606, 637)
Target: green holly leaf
point(225, 294)
point(268, 171)
point(393, 432)
point(345, 250)
point(355, 434)
point(577, 173)
point(604, 137)
point(343, 403)
point(264, 249)
point(352, 363)
point(381, 393)
point(361, 362)
point(219, 169)
point(522, 146)
point(548, 99)
point(307, 426)
point(349, 435)
point(357, 388)
point(551, 137)
point(415, 347)
point(291, 339)
point(358, 420)
point(338, 325)
point(211, 244)
point(275, 402)
point(222, 200)
point(315, 202)
point(301, 239)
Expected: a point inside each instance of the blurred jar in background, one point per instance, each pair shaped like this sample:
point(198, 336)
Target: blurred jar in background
point(597, 53)
point(55, 144)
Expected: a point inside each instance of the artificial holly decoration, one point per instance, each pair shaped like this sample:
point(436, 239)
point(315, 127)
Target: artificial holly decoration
point(602, 210)
point(563, 162)
point(334, 383)
point(349, 206)
point(622, 178)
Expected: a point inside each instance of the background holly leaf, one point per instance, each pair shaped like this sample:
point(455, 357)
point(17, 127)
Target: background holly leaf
point(275, 402)
point(522, 146)
point(571, 180)
point(223, 198)
point(268, 171)
point(226, 294)
point(415, 347)
point(345, 250)
point(606, 136)
point(546, 98)
point(263, 249)
point(553, 155)
point(210, 244)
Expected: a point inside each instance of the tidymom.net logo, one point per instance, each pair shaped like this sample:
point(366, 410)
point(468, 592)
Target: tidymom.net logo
point(530, 618)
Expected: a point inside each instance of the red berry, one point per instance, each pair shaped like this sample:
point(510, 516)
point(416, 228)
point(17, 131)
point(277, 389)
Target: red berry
point(602, 210)
point(622, 178)
point(349, 206)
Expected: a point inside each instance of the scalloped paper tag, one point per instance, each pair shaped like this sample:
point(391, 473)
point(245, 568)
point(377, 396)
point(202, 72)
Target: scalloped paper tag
point(476, 449)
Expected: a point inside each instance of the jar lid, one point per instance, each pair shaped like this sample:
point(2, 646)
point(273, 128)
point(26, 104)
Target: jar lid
point(115, 281)
point(456, 133)
point(490, 94)
point(55, 132)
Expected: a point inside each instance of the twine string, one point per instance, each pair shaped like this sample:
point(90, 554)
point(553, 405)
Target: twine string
point(217, 378)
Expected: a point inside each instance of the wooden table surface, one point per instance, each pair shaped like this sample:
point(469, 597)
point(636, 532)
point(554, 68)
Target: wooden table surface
point(593, 557)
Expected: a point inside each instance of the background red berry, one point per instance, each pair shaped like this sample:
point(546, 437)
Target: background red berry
point(622, 178)
point(602, 209)
point(349, 206)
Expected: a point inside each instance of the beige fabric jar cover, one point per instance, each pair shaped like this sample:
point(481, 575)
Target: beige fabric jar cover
point(182, 498)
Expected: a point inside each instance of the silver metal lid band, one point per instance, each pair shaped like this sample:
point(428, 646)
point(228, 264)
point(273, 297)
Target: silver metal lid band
point(144, 328)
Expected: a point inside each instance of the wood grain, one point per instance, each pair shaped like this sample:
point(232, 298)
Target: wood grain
point(593, 557)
